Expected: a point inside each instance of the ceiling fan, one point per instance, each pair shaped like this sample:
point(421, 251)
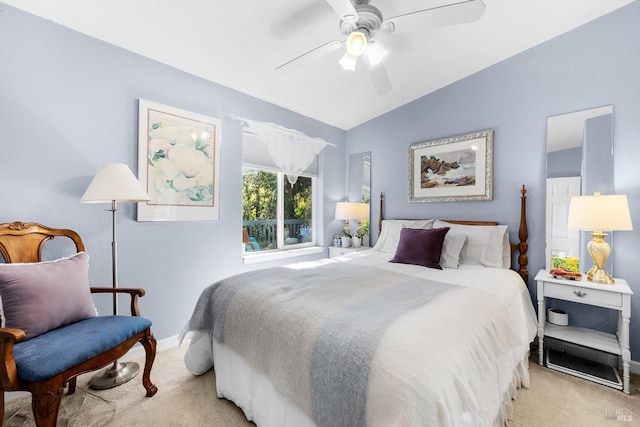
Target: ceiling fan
point(360, 23)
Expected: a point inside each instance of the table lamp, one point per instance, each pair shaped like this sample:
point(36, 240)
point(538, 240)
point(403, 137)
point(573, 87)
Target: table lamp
point(351, 210)
point(597, 213)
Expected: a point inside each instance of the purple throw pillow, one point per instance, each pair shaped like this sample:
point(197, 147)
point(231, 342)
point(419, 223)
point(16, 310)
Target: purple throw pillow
point(420, 247)
point(38, 297)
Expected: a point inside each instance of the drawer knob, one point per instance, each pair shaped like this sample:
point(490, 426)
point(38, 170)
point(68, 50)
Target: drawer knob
point(580, 294)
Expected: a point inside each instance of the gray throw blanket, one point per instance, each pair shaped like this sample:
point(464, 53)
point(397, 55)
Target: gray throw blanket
point(313, 332)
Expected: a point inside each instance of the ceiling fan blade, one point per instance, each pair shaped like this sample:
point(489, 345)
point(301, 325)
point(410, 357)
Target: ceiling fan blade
point(345, 10)
point(380, 79)
point(313, 54)
point(299, 18)
point(461, 12)
point(400, 43)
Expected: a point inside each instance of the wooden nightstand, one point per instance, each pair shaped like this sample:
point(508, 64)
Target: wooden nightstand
point(615, 297)
point(335, 251)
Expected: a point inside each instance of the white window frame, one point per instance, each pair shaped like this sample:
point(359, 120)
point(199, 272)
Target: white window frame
point(282, 251)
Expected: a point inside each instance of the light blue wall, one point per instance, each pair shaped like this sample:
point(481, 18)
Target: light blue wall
point(597, 64)
point(68, 103)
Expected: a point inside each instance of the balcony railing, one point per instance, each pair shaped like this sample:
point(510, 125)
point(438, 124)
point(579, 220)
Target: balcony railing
point(265, 234)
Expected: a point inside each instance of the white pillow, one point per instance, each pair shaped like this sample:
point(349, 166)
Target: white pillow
point(486, 245)
point(451, 248)
point(390, 234)
point(198, 358)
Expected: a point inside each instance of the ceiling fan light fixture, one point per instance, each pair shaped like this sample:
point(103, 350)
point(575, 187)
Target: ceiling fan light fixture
point(356, 43)
point(375, 54)
point(348, 61)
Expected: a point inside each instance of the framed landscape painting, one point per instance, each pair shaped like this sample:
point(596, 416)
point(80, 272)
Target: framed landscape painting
point(178, 164)
point(457, 168)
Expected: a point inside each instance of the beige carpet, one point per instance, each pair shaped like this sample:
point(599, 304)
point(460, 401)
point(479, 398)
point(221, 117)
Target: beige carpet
point(554, 399)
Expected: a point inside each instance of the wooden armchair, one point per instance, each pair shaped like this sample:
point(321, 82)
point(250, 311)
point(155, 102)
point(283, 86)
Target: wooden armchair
point(45, 363)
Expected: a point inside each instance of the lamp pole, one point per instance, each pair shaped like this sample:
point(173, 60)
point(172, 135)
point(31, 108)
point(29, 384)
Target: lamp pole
point(114, 255)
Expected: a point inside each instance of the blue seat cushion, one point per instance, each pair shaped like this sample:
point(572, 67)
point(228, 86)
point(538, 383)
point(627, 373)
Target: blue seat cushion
point(47, 355)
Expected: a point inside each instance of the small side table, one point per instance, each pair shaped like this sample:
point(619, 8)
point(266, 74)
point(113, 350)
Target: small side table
point(615, 297)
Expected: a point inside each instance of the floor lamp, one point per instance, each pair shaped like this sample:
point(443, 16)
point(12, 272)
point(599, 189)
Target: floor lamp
point(114, 183)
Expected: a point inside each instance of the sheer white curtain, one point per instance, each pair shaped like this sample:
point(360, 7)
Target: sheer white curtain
point(292, 151)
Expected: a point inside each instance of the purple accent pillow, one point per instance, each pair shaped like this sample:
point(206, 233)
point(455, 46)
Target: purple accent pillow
point(38, 297)
point(420, 247)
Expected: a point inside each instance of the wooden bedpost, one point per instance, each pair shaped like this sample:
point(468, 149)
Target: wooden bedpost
point(523, 235)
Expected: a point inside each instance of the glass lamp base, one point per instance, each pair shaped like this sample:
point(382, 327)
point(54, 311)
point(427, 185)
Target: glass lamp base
point(117, 374)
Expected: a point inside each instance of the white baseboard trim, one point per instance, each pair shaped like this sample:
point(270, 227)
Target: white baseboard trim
point(135, 353)
point(634, 367)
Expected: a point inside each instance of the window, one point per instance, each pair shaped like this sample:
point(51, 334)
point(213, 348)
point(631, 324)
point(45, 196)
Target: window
point(276, 214)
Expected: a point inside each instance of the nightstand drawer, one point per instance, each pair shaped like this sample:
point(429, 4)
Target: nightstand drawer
point(583, 295)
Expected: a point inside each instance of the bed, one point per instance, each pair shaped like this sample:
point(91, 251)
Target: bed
point(371, 338)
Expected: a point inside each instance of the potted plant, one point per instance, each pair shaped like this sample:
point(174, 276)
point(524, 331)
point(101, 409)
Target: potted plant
point(356, 240)
point(346, 238)
point(363, 232)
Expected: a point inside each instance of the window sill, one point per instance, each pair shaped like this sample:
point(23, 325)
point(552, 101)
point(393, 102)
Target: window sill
point(254, 258)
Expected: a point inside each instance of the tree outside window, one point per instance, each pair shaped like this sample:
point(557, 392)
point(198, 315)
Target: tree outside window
point(275, 214)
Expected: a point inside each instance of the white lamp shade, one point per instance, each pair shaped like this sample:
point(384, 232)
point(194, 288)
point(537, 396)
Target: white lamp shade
point(114, 182)
point(348, 61)
point(599, 212)
point(352, 210)
point(356, 43)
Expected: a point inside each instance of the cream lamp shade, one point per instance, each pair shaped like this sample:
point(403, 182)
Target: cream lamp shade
point(352, 210)
point(114, 181)
point(598, 213)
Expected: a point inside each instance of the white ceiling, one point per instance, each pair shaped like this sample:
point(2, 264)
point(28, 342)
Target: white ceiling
point(240, 43)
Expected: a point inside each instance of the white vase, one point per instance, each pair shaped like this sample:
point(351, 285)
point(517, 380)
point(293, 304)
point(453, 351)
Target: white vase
point(346, 241)
point(356, 242)
point(365, 240)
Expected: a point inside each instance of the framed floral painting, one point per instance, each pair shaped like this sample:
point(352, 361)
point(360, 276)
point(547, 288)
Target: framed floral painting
point(178, 164)
point(457, 168)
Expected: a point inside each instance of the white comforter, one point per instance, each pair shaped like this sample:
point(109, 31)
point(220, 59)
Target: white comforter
point(438, 365)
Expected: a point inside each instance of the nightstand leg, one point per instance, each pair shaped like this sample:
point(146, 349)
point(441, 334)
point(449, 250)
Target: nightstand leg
point(626, 353)
point(542, 318)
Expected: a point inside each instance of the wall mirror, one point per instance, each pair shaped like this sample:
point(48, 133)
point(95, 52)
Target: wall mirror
point(579, 161)
point(359, 189)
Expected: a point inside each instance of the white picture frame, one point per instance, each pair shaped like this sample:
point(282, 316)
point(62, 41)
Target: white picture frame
point(178, 164)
